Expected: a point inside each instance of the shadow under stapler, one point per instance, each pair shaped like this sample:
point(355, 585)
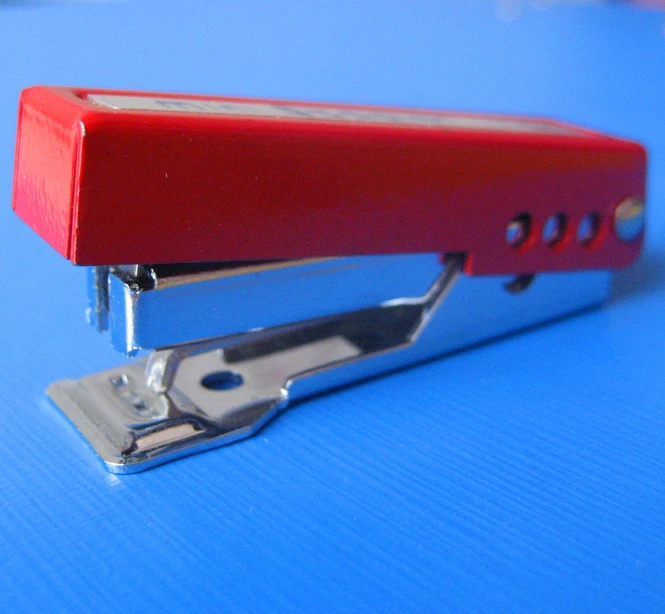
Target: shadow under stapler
point(646, 275)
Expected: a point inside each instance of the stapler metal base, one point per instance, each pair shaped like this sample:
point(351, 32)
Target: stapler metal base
point(186, 398)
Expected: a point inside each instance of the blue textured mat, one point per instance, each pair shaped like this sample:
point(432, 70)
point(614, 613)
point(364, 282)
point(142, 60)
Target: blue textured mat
point(525, 475)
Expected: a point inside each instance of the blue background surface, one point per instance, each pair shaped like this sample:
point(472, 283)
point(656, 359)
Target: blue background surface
point(524, 475)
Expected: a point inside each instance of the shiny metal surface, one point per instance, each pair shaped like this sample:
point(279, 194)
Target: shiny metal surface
point(149, 412)
point(376, 329)
point(98, 297)
point(629, 219)
point(167, 306)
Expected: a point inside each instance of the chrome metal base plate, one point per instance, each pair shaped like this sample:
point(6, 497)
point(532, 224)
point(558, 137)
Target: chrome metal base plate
point(211, 403)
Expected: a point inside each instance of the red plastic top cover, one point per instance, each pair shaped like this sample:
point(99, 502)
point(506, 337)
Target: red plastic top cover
point(116, 177)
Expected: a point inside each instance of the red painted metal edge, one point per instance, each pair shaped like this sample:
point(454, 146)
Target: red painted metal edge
point(119, 186)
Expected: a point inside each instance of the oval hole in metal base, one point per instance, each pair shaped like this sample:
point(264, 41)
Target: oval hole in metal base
point(222, 380)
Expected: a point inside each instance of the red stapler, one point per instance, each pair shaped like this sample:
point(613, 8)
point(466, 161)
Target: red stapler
point(261, 251)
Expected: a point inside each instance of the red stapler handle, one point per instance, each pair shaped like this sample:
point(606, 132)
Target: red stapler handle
point(125, 177)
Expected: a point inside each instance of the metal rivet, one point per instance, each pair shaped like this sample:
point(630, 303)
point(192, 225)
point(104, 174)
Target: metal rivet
point(629, 219)
point(554, 229)
point(588, 229)
point(517, 232)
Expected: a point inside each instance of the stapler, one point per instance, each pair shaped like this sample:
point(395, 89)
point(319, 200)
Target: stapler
point(255, 252)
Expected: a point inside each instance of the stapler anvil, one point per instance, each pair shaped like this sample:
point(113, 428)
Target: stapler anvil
point(261, 251)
